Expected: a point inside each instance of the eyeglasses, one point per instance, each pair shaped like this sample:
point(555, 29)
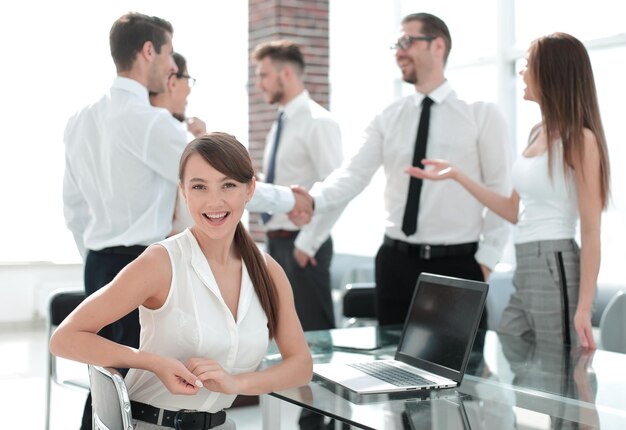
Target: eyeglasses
point(190, 80)
point(406, 41)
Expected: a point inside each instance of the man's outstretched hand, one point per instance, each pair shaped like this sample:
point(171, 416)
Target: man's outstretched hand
point(303, 209)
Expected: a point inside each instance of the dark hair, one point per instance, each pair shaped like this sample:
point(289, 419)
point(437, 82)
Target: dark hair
point(432, 26)
point(181, 64)
point(228, 156)
point(130, 32)
point(281, 51)
point(561, 69)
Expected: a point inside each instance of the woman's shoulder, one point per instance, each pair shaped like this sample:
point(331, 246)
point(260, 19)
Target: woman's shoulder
point(275, 270)
point(589, 151)
point(272, 265)
point(155, 256)
point(178, 244)
point(152, 270)
point(589, 136)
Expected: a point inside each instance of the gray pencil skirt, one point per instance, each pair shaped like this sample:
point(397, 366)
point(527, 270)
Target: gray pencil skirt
point(547, 283)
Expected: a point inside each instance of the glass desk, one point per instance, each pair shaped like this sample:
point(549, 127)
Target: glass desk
point(509, 384)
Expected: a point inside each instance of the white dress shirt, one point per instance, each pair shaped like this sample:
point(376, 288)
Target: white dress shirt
point(473, 137)
point(121, 172)
point(308, 151)
point(122, 156)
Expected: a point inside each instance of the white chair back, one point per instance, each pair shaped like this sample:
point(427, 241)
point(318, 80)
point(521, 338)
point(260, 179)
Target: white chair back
point(110, 401)
point(613, 324)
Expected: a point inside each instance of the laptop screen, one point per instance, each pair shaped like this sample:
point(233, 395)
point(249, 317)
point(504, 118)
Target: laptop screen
point(442, 322)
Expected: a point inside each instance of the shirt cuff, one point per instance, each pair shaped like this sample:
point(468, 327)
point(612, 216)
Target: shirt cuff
point(487, 256)
point(306, 244)
point(319, 202)
point(272, 199)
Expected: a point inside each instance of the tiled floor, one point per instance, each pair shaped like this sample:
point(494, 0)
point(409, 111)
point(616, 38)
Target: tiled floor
point(23, 352)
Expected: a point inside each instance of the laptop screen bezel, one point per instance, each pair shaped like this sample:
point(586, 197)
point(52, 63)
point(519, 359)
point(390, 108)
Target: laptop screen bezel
point(446, 372)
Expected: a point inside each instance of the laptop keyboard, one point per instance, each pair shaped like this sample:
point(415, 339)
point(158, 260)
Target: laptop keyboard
point(391, 374)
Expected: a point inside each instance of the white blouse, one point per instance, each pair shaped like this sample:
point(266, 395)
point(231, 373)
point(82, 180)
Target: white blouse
point(549, 204)
point(196, 322)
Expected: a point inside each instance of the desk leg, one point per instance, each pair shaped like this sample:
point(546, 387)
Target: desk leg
point(270, 411)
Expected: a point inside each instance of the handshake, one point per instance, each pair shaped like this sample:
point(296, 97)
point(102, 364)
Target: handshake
point(303, 208)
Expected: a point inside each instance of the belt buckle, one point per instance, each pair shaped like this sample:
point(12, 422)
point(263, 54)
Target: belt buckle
point(425, 252)
point(180, 423)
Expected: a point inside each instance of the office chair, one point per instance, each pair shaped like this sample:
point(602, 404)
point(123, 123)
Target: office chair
point(109, 400)
point(60, 304)
point(613, 324)
point(359, 305)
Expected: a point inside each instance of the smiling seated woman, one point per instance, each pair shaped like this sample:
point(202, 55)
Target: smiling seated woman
point(209, 303)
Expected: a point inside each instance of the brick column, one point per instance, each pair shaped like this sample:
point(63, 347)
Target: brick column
point(306, 23)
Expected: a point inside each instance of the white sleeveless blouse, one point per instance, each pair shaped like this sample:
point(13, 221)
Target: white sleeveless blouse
point(195, 322)
point(549, 204)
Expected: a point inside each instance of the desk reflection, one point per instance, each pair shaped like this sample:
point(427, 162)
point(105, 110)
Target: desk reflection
point(509, 383)
point(559, 370)
point(437, 414)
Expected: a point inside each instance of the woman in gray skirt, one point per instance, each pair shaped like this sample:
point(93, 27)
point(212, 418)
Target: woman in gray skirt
point(562, 175)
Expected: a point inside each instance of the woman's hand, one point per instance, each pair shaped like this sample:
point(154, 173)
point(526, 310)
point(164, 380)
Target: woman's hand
point(441, 169)
point(176, 377)
point(213, 375)
point(582, 324)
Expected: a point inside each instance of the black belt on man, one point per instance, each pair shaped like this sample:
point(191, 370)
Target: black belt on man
point(429, 252)
point(184, 419)
point(282, 234)
point(134, 250)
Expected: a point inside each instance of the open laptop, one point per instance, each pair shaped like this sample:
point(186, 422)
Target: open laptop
point(435, 345)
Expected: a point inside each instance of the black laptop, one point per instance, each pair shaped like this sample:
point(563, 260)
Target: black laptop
point(435, 345)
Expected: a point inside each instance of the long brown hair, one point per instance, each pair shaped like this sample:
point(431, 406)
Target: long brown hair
point(228, 156)
point(560, 66)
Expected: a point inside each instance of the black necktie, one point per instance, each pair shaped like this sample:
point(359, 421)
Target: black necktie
point(409, 223)
point(271, 167)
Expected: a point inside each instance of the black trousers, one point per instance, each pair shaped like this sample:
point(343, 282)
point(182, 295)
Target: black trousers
point(100, 269)
point(396, 277)
point(310, 285)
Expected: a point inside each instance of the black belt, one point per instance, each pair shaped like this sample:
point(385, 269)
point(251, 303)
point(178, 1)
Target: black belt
point(134, 250)
point(429, 252)
point(184, 419)
point(282, 234)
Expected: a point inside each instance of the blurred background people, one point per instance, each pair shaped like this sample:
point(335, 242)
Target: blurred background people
point(120, 140)
point(562, 175)
point(174, 99)
point(435, 228)
point(302, 147)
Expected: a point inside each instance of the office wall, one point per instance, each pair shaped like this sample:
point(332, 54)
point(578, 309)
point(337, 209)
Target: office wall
point(24, 288)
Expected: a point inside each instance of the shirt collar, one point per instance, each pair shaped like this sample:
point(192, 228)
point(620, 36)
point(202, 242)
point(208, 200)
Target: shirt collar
point(131, 86)
point(438, 95)
point(295, 104)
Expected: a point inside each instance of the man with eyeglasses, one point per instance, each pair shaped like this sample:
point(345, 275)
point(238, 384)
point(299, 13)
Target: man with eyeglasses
point(432, 227)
